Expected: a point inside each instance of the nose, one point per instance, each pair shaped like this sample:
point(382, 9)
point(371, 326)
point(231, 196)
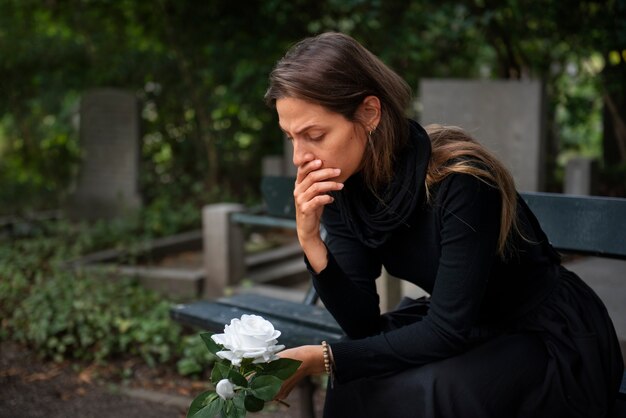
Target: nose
point(299, 152)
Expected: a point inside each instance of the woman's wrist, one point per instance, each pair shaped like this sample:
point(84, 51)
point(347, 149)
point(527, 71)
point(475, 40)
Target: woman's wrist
point(316, 253)
point(316, 359)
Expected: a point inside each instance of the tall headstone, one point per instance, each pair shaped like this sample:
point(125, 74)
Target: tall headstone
point(508, 117)
point(273, 165)
point(290, 169)
point(581, 175)
point(108, 183)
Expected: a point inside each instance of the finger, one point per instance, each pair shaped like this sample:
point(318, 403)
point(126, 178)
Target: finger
point(318, 195)
point(309, 164)
point(316, 176)
point(320, 175)
point(311, 207)
point(317, 190)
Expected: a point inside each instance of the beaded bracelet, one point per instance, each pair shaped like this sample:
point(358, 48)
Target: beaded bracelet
point(328, 362)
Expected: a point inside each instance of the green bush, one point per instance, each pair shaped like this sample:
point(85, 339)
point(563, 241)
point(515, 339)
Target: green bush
point(195, 357)
point(69, 316)
point(66, 314)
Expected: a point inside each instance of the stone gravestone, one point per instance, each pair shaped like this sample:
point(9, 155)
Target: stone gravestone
point(280, 165)
point(107, 184)
point(581, 175)
point(506, 116)
point(272, 165)
point(290, 169)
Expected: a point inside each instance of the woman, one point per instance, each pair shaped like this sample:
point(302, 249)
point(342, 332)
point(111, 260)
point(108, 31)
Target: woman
point(506, 331)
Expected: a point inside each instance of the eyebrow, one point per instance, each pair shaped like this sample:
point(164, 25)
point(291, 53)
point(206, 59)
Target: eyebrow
point(305, 128)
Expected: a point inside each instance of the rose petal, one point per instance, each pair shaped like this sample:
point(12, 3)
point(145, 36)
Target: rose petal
point(230, 356)
point(250, 336)
point(220, 338)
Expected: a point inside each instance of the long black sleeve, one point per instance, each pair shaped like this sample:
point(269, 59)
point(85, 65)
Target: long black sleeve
point(465, 225)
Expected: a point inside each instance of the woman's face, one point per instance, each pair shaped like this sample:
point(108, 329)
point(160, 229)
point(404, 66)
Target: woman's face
point(317, 133)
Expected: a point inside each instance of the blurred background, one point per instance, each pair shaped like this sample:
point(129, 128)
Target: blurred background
point(190, 77)
point(199, 70)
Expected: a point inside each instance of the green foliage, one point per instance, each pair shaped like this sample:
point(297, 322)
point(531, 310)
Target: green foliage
point(195, 357)
point(65, 314)
point(199, 409)
point(200, 77)
point(78, 317)
point(579, 109)
point(36, 170)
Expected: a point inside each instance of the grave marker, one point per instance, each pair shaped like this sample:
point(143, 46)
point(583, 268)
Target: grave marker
point(507, 116)
point(107, 184)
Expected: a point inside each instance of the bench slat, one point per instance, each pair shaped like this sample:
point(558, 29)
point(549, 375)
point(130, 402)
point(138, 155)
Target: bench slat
point(263, 220)
point(212, 316)
point(589, 224)
point(274, 254)
point(310, 316)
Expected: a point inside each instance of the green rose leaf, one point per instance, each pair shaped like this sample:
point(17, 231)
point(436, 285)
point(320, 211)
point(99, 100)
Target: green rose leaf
point(239, 413)
point(253, 404)
point(238, 400)
point(282, 368)
point(265, 387)
point(231, 410)
point(210, 344)
point(225, 412)
point(221, 370)
point(199, 402)
point(212, 396)
point(237, 378)
point(198, 408)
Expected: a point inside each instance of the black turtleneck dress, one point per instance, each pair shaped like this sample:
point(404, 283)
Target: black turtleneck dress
point(514, 337)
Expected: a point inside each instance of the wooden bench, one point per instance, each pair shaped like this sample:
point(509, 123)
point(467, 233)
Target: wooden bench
point(585, 225)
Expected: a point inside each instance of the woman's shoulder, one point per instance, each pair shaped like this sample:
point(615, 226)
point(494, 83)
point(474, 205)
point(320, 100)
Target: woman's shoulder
point(458, 189)
point(465, 183)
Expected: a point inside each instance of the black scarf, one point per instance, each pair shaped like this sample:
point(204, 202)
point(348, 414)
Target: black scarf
point(372, 219)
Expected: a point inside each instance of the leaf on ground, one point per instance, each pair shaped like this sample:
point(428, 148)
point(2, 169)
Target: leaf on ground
point(37, 377)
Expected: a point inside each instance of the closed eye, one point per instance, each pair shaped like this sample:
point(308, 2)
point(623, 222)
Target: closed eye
point(315, 138)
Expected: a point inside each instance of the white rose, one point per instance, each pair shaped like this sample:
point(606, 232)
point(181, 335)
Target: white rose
point(252, 336)
point(225, 389)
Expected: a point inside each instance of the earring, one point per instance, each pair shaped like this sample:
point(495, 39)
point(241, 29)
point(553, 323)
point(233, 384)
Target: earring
point(369, 137)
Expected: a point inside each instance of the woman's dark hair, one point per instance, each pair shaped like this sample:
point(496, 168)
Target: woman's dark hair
point(336, 72)
point(455, 151)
